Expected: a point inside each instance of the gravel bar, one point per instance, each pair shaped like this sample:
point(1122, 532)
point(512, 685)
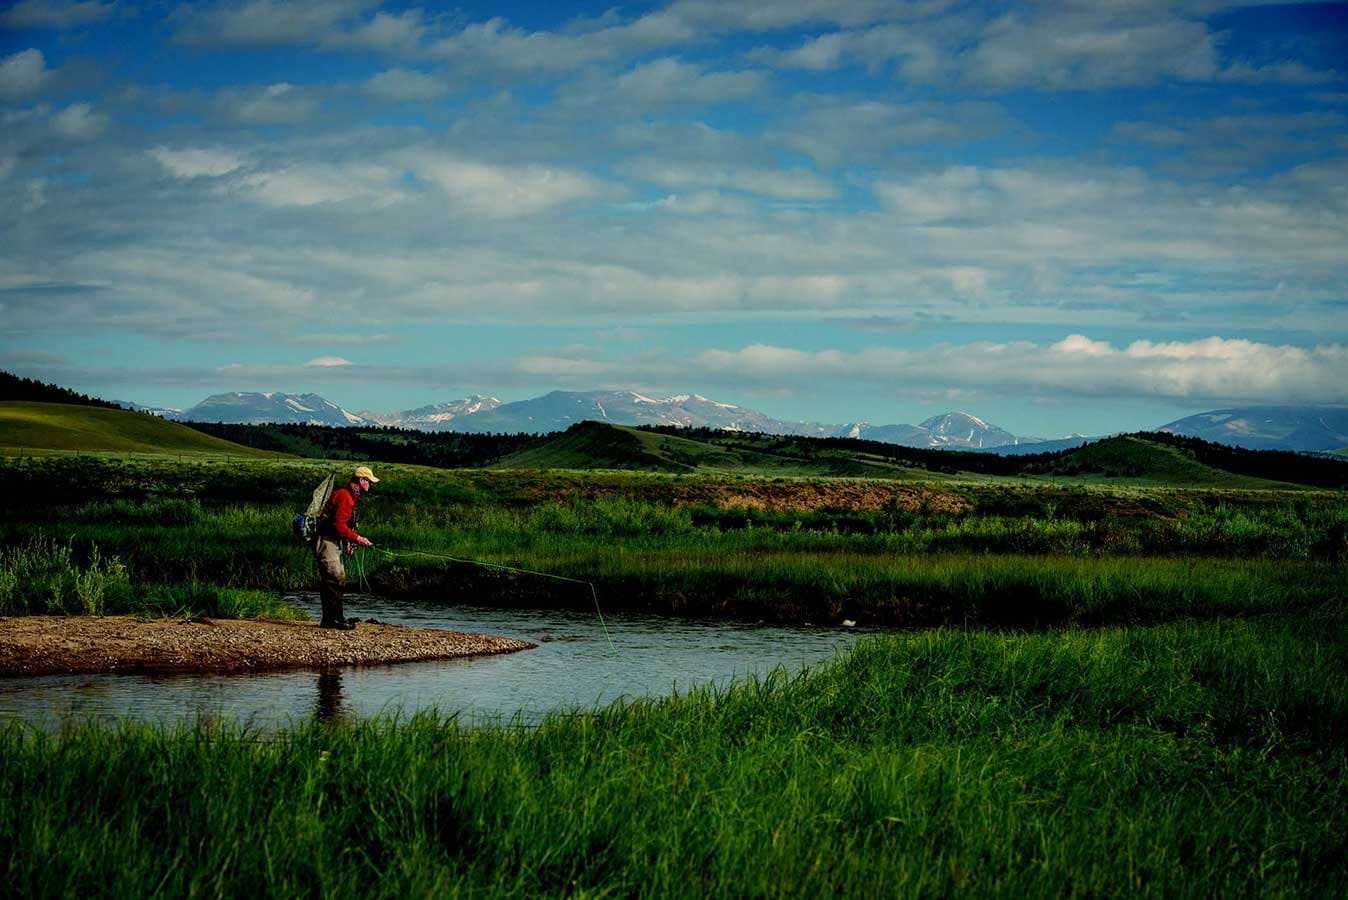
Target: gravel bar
point(48, 645)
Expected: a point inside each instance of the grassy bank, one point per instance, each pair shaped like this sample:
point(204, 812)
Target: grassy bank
point(788, 550)
point(1192, 759)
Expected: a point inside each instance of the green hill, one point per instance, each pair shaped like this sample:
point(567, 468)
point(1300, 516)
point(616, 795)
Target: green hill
point(40, 427)
point(598, 445)
point(1147, 462)
point(1128, 459)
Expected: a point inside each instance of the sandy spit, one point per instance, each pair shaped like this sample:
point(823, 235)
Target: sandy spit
point(47, 645)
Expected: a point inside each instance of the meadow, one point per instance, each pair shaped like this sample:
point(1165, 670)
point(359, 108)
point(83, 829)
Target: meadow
point(1095, 689)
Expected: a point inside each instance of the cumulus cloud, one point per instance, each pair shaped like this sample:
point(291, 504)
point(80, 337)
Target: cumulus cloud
point(55, 13)
point(669, 80)
point(79, 121)
point(785, 184)
point(310, 184)
point(22, 74)
point(194, 162)
point(1069, 47)
point(1227, 144)
point(498, 191)
point(264, 22)
point(270, 105)
point(868, 131)
point(399, 85)
point(328, 362)
point(1212, 369)
point(385, 32)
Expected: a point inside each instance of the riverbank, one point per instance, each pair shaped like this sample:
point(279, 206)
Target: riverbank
point(48, 645)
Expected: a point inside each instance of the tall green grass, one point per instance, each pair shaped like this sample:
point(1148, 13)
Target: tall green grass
point(1180, 760)
point(43, 576)
point(48, 577)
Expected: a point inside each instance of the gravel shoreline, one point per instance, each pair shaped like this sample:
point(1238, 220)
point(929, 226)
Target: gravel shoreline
point(49, 645)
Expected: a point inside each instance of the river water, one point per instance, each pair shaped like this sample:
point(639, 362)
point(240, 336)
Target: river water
point(572, 669)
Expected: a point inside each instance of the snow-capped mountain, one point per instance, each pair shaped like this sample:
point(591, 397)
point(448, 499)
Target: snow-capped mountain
point(1269, 427)
point(244, 408)
point(436, 416)
point(963, 430)
point(955, 430)
point(164, 412)
point(560, 409)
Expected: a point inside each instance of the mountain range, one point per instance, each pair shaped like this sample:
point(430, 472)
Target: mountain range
point(1262, 427)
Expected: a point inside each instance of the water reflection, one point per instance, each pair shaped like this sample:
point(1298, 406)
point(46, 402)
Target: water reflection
point(329, 696)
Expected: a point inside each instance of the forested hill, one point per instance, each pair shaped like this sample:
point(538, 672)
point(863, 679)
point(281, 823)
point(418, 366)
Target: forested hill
point(1124, 456)
point(442, 449)
point(12, 387)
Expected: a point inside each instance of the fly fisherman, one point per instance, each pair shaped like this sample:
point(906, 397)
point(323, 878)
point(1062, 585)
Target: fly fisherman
point(337, 533)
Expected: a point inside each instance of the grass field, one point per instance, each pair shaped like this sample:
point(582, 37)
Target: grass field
point(60, 427)
point(784, 549)
point(1146, 690)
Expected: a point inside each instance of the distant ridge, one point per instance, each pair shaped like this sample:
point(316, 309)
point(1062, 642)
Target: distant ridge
point(246, 408)
point(1322, 428)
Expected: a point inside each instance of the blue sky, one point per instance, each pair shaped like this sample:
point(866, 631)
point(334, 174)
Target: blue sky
point(1069, 216)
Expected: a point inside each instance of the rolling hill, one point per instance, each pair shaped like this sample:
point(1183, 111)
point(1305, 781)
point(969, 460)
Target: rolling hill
point(27, 426)
point(1148, 462)
point(1142, 459)
point(597, 445)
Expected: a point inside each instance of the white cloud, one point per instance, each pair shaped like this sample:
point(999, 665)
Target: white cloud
point(328, 362)
point(496, 45)
point(702, 202)
point(400, 85)
point(785, 184)
point(22, 73)
point(833, 131)
point(384, 32)
point(79, 122)
point(498, 191)
point(310, 184)
point(1212, 369)
point(265, 22)
point(1058, 47)
point(669, 80)
point(194, 162)
point(55, 13)
point(273, 104)
point(920, 55)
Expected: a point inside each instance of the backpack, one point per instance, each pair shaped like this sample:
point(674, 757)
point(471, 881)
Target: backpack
point(305, 524)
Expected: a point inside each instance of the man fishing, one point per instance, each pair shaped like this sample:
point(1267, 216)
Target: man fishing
point(337, 533)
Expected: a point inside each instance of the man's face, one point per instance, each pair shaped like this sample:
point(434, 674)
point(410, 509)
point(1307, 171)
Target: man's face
point(364, 484)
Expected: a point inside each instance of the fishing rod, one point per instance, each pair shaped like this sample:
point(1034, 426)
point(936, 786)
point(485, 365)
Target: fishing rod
point(486, 565)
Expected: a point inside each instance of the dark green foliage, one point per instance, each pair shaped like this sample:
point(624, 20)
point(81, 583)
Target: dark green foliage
point(12, 387)
point(442, 449)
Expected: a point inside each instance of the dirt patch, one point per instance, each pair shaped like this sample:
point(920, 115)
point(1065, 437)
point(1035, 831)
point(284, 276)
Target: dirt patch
point(46, 645)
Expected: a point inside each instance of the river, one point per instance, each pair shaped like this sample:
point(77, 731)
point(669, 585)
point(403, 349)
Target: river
point(572, 669)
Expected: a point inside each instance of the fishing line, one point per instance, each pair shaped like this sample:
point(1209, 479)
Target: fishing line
point(476, 562)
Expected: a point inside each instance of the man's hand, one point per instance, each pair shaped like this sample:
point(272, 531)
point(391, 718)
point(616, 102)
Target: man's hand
point(364, 541)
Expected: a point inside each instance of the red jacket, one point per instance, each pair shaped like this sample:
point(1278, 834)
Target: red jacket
point(337, 513)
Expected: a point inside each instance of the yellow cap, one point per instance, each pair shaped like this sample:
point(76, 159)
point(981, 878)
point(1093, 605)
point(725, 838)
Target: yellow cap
point(364, 472)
